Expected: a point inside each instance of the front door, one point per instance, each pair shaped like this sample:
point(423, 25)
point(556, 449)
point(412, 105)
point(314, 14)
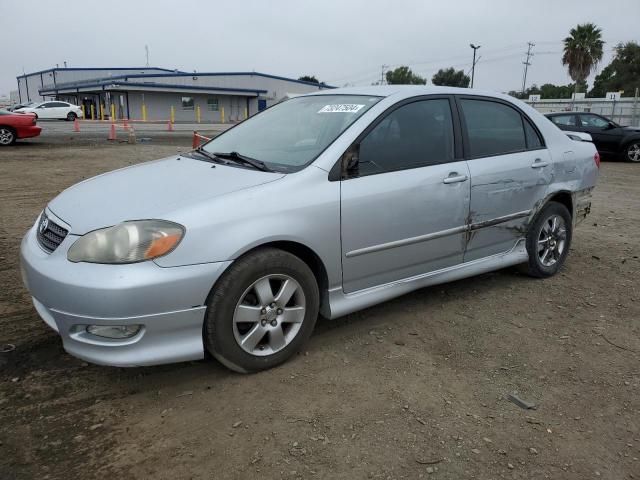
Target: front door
point(511, 170)
point(46, 110)
point(404, 202)
point(606, 135)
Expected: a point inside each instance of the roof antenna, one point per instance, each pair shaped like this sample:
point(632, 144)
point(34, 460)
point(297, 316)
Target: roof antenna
point(65, 64)
point(146, 51)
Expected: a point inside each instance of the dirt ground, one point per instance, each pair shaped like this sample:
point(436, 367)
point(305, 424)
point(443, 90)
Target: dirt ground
point(413, 388)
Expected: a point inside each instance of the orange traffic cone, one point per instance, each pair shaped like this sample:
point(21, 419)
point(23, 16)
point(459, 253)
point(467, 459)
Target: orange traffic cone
point(196, 140)
point(169, 126)
point(76, 125)
point(112, 132)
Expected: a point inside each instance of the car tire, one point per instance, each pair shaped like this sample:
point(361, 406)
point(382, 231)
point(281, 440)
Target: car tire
point(7, 136)
point(261, 311)
point(548, 240)
point(632, 152)
point(71, 116)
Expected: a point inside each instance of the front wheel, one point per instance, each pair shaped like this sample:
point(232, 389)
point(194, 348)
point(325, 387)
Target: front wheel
point(632, 152)
point(548, 240)
point(261, 311)
point(7, 136)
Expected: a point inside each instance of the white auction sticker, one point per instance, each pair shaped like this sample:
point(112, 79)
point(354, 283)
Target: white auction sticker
point(341, 108)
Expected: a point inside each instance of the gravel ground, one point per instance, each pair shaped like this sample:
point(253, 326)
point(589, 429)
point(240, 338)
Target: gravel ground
point(413, 388)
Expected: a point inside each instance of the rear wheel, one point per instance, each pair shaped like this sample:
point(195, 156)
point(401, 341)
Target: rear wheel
point(71, 116)
point(261, 311)
point(632, 152)
point(548, 240)
point(7, 136)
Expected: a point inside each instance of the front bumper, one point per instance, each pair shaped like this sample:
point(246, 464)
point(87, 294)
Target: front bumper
point(169, 303)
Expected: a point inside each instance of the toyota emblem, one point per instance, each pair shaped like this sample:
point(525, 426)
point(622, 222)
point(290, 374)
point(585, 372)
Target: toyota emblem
point(44, 223)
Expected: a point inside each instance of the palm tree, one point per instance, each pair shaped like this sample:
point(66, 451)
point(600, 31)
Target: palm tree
point(582, 51)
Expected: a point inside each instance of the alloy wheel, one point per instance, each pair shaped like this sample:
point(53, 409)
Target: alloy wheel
point(633, 152)
point(552, 240)
point(269, 315)
point(6, 136)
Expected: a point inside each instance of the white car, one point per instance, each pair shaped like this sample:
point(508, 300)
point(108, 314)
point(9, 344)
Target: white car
point(54, 109)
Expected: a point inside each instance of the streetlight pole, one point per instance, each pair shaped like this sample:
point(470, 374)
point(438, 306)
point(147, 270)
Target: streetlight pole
point(473, 66)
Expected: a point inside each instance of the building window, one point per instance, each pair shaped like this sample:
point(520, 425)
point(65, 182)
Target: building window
point(187, 103)
point(212, 104)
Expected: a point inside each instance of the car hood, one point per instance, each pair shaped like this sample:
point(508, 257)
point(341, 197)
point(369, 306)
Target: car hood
point(149, 190)
point(632, 129)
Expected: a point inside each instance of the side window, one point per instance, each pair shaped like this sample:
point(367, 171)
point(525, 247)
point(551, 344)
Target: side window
point(48, 105)
point(565, 120)
point(212, 104)
point(593, 121)
point(493, 128)
point(533, 139)
point(414, 135)
point(187, 103)
point(58, 104)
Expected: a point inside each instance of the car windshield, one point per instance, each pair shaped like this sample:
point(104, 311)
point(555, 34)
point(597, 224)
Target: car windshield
point(291, 134)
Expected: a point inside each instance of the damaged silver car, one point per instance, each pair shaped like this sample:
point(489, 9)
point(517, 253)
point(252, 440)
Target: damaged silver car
point(325, 204)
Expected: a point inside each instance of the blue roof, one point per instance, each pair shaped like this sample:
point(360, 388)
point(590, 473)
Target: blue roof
point(174, 73)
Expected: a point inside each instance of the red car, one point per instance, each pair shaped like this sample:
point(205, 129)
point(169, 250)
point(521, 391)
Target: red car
point(17, 125)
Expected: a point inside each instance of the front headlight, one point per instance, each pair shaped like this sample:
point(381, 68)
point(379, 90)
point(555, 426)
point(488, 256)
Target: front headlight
point(128, 242)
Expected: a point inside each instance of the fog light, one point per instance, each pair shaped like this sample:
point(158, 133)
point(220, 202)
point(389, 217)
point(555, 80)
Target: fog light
point(114, 331)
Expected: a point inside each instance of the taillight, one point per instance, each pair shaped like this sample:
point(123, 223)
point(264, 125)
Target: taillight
point(596, 158)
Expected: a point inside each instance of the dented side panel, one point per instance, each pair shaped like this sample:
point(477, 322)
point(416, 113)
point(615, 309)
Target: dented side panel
point(504, 191)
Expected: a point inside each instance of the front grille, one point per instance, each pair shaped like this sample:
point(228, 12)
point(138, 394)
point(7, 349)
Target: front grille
point(49, 233)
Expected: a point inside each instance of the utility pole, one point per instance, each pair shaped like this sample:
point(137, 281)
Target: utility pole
point(526, 66)
point(473, 65)
point(383, 67)
point(146, 51)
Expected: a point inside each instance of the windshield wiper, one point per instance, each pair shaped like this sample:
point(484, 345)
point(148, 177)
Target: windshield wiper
point(210, 156)
point(236, 157)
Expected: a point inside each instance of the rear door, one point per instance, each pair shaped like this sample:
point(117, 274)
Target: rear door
point(405, 197)
point(511, 170)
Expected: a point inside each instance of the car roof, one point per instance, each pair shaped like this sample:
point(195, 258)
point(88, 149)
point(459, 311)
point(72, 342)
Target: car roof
point(407, 91)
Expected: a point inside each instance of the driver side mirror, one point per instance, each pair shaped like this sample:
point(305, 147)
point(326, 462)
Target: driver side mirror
point(610, 125)
point(350, 161)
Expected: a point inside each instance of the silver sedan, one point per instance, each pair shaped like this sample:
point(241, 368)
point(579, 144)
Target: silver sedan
point(323, 204)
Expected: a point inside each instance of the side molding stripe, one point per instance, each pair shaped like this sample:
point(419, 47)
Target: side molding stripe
point(432, 236)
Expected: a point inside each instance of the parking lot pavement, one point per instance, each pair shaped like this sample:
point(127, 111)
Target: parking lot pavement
point(413, 388)
point(92, 132)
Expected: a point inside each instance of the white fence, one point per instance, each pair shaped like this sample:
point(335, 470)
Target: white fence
point(625, 111)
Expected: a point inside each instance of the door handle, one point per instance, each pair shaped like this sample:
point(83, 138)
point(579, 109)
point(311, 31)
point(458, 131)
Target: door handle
point(539, 163)
point(455, 178)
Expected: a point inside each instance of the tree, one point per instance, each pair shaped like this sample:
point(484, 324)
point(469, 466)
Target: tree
point(582, 51)
point(309, 78)
point(549, 90)
point(623, 73)
point(451, 78)
point(404, 76)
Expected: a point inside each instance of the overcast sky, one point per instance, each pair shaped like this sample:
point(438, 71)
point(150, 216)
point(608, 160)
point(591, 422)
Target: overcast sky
point(338, 41)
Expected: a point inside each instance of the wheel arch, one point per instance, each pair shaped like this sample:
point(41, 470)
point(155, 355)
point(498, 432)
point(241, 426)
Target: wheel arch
point(628, 141)
point(308, 256)
point(564, 197)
